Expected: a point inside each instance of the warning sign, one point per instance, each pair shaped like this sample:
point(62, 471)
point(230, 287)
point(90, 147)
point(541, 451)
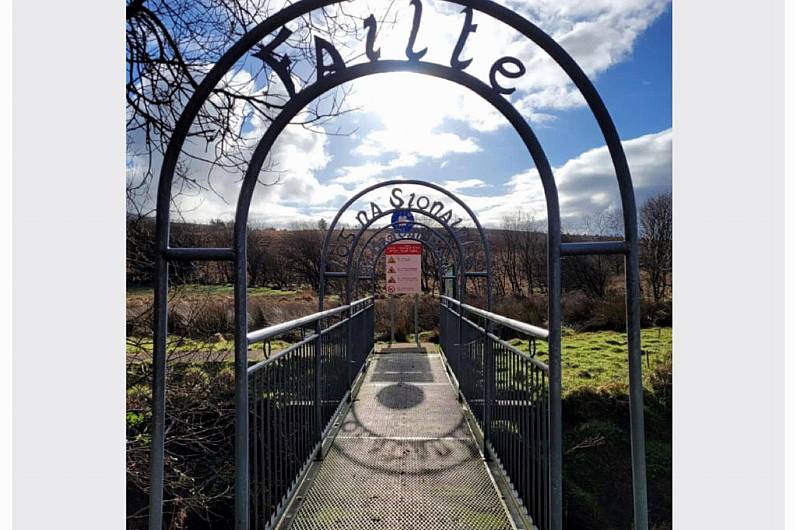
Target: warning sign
point(403, 268)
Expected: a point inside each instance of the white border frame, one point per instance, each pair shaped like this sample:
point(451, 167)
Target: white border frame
point(83, 133)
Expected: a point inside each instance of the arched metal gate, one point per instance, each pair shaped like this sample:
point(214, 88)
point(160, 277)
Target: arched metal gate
point(333, 74)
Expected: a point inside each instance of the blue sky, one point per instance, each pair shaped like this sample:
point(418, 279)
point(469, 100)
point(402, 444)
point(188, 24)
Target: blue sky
point(414, 127)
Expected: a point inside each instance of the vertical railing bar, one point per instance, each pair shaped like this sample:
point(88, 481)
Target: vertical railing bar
point(348, 346)
point(519, 407)
point(253, 491)
point(298, 455)
point(283, 428)
point(544, 450)
point(277, 431)
point(261, 428)
point(293, 403)
point(536, 449)
point(268, 376)
point(271, 437)
point(318, 382)
point(488, 397)
point(265, 376)
point(416, 321)
point(526, 412)
point(301, 406)
point(515, 427)
point(263, 441)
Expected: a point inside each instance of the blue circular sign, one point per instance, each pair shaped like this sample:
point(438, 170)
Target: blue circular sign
point(402, 221)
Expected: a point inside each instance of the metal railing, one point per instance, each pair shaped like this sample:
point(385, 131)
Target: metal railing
point(294, 396)
point(507, 392)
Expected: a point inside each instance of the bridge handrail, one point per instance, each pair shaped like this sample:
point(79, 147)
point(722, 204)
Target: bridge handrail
point(277, 329)
point(278, 355)
point(522, 327)
point(543, 366)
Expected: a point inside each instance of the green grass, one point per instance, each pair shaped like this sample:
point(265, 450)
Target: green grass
point(141, 347)
point(596, 464)
point(599, 359)
point(222, 290)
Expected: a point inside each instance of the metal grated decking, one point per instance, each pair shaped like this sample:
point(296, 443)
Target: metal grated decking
point(404, 458)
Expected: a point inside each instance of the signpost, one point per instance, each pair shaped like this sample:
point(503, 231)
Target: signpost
point(402, 221)
point(404, 276)
point(403, 268)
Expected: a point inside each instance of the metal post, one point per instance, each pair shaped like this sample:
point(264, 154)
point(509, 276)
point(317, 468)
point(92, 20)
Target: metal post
point(637, 436)
point(348, 332)
point(318, 386)
point(159, 396)
point(349, 348)
point(391, 320)
point(416, 321)
point(488, 391)
point(241, 388)
point(555, 404)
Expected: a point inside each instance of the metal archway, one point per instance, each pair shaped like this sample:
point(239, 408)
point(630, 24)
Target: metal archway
point(329, 78)
point(434, 250)
point(383, 249)
point(364, 228)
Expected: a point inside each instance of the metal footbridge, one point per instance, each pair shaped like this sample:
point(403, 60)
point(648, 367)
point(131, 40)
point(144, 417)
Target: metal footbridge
point(345, 435)
point(293, 459)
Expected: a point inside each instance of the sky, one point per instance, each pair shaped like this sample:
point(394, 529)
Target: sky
point(408, 126)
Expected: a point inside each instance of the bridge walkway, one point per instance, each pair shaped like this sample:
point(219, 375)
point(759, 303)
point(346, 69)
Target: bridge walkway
point(404, 457)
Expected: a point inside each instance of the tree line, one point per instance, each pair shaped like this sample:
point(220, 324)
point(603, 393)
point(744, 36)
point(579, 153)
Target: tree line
point(290, 258)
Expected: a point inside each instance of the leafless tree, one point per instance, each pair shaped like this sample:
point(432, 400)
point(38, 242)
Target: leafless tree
point(656, 224)
point(430, 271)
point(302, 252)
point(592, 273)
point(510, 251)
point(171, 45)
point(522, 252)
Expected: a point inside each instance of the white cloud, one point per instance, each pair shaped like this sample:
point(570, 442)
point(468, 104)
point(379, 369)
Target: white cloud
point(412, 146)
point(458, 185)
point(587, 184)
point(415, 113)
point(598, 34)
point(423, 118)
point(288, 176)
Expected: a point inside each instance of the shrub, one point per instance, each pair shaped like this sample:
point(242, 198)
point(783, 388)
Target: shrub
point(201, 317)
point(609, 313)
point(577, 308)
point(428, 316)
point(199, 466)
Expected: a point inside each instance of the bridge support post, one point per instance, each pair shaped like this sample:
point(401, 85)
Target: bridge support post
point(391, 320)
point(241, 387)
point(555, 441)
point(416, 321)
point(158, 396)
point(318, 420)
point(637, 435)
point(488, 387)
point(349, 348)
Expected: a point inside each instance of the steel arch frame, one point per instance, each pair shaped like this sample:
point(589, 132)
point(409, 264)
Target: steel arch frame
point(410, 182)
point(385, 213)
point(383, 249)
point(555, 250)
point(434, 250)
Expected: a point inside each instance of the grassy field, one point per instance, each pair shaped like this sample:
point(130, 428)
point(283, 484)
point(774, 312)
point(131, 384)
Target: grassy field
point(183, 348)
point(598, 360)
